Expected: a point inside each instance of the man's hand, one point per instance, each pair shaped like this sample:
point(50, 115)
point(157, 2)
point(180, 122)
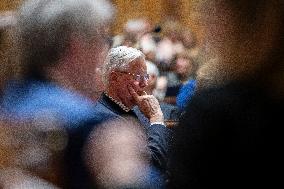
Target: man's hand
point(148, 105)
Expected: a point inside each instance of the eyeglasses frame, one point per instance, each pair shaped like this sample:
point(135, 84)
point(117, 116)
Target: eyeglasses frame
point(146, 77)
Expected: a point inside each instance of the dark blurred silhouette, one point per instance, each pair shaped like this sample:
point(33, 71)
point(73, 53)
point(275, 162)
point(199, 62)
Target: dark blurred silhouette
point(230, 134)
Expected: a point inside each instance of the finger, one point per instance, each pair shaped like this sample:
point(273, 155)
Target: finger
point(133, 93)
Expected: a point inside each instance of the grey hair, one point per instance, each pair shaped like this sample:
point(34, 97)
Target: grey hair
point(44, 27)
point(119, 58)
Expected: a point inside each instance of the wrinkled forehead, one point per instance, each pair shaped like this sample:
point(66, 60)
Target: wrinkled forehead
point(138, 66)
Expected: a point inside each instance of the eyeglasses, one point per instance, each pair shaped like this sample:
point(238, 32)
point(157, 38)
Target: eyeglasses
point(138, 77)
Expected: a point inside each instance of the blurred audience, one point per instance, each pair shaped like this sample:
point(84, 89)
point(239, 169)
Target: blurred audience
point(229, 136)
point(154, 73)
point(169, 45)
point(185, 94)
point(184, 70)
point(189, 41)
point(133, 30)
point(171, 112)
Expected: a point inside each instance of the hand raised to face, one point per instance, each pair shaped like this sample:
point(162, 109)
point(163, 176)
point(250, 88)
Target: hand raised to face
point(148, 105)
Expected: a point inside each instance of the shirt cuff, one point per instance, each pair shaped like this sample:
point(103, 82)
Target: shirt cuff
point(158, 123)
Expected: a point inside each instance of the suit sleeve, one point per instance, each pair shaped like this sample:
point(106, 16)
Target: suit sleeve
point(159, 137)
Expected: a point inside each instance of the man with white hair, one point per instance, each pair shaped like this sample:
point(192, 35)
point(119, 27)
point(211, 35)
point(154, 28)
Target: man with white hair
point(125, 76)
point(61, 45)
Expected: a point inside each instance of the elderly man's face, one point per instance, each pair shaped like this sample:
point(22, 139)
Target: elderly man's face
point(135, 76)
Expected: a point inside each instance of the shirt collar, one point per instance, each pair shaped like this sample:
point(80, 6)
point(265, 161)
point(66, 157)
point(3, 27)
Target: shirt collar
point(120, 104)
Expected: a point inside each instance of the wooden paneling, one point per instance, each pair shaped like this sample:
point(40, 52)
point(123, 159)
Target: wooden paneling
point(9, 4)
point(156, 11)
point(131, 9)
point(189, 17)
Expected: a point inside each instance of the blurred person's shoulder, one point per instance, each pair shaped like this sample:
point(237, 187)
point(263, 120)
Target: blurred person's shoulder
point(34, 98)
point(105, 109)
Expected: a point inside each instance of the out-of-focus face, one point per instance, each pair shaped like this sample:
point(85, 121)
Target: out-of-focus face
point(135, 76)
point(90, 59)
point(183, 66)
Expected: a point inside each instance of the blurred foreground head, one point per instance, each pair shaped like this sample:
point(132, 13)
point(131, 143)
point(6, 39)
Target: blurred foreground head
point(243, 40)
point(64, 41)
point(117, 156)
point(226, 137)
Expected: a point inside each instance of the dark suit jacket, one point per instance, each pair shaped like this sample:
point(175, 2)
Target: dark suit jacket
point(158, 135)
point(158, 138)
point(229, 138)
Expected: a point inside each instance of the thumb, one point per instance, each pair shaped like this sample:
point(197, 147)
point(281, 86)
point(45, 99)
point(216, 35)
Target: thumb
point(133, 93)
